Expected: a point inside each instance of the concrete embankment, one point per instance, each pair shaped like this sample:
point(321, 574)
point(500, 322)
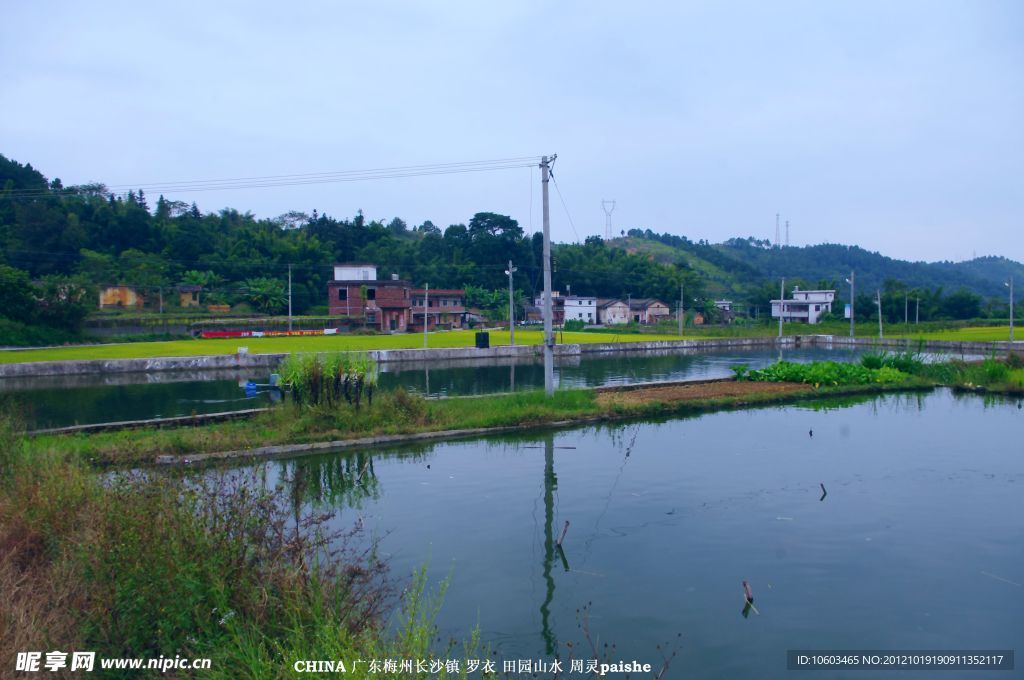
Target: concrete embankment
point(500, 352)
point(249, 361)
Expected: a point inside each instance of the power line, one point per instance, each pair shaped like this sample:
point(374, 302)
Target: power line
point(565, 207)
point(301, 179)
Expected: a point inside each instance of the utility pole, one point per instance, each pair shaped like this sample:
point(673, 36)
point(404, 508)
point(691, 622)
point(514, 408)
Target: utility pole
point(161, 299)
point(426, 303)
point(629, 308)
point(850, 281)
point(878, 300)
point(511, 309)
point(289, 296)
point(1010, 284)
point(549, 341)
point(680, 309)
point(917, 311)
point(906, 309)
point(782, 303)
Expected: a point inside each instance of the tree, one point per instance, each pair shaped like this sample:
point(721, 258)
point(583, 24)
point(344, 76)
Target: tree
point(16, 300)
point(64, 302)
point(266, 294)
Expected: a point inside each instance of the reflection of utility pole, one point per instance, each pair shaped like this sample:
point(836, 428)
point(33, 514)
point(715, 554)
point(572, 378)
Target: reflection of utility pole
point(289, 296)
point(550, 484)
point(549, 339)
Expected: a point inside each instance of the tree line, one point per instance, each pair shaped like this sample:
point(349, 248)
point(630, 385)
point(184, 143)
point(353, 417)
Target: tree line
point(66, 240)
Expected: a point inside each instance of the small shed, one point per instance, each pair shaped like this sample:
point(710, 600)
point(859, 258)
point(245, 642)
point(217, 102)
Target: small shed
point(121, 296)
point(188, 295)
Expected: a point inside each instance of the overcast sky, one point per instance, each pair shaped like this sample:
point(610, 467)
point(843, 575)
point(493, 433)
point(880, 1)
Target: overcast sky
point(897, 126)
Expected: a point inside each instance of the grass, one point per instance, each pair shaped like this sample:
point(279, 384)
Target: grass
point(218, 567)
point(969, 334)
point(327, 343)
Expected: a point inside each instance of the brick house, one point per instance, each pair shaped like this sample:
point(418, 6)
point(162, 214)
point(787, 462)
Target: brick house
point(357, 294)
point(445, 309)
point(648, 310)
point(612, 312)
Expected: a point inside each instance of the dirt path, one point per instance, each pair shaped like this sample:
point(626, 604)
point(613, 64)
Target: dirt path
point(698, 391)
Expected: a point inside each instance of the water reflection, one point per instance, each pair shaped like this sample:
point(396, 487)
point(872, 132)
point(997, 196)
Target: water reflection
point(893, 498)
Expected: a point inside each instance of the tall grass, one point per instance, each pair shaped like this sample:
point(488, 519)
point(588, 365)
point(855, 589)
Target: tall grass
point(328, 378)
point(142, 565)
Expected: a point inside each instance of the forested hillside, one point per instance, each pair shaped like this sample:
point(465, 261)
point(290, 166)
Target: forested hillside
point(75, 238)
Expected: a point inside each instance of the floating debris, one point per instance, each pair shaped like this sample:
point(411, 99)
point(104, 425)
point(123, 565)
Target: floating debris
point(1000, 578)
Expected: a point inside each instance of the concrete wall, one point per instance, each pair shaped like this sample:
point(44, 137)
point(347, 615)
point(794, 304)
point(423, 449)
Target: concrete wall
point(456, 354)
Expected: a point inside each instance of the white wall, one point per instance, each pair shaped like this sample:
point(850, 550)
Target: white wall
point(355, 273)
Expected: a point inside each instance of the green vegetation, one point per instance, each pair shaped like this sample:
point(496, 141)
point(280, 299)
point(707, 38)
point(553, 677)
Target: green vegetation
point(282, 345)
point(326, 379)
point(899, 368)
point(829, 373)
point(87, 236)
point(220, 567)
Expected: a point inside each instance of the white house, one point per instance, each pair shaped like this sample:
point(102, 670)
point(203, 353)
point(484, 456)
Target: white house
point(354, 271)
point(580, 309)
point(612, 312)
point(807, 305)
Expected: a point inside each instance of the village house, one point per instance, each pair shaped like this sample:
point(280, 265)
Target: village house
point(121, 296)
point(725, 308)
point(356, 293)
point(445, 309)
point(648, 311)
point(580, 309)
point(557, 309)
point(807, 306)
point(612, 312)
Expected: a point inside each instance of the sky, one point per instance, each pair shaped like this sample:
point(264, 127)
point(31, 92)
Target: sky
point(896, 126)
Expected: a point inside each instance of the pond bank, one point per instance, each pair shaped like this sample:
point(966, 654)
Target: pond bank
point(248, 361)
point(400, 417)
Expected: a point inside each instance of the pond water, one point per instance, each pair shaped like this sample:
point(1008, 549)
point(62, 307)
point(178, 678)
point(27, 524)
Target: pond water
point(56, 401)
point(918, 543)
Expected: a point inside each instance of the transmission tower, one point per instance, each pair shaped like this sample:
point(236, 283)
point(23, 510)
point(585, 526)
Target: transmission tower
point(787, 233)
point(608, 207)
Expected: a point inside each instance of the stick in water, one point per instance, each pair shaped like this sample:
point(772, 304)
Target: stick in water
point(564, 530)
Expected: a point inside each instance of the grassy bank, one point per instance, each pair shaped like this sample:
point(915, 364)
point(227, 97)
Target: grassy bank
point(324, 343)
point(220, 568)
point(397, 413)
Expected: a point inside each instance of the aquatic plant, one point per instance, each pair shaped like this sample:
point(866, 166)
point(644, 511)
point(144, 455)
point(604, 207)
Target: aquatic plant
point(329, 378)
point(829, 373)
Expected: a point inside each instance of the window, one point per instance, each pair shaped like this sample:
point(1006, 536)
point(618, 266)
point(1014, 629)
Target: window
point(371, 293)
point(371, 318)
point(343, 294)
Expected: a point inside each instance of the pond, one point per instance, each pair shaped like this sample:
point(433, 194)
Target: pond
point(916, 542)
point(57, 401)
